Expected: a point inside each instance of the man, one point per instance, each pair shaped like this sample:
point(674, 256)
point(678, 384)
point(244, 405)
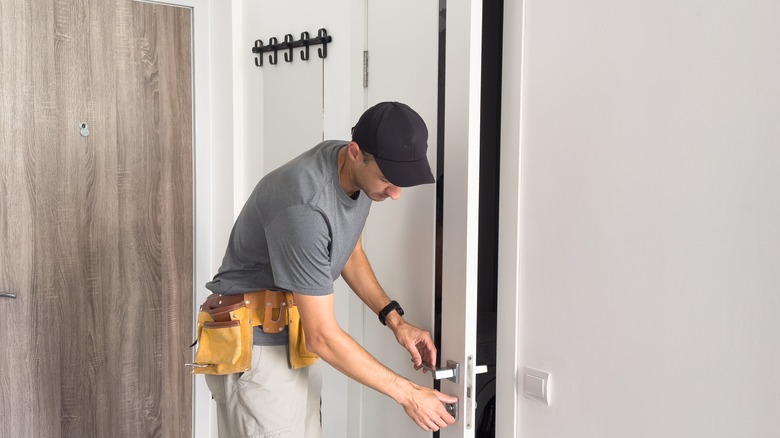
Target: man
point(300, 229)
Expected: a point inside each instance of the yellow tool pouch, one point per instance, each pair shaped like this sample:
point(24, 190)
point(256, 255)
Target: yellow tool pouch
point(224, 340)
point(298, 355)
point(225, 328)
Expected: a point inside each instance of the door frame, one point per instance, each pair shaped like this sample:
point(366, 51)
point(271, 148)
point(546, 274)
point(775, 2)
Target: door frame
point(508, 352)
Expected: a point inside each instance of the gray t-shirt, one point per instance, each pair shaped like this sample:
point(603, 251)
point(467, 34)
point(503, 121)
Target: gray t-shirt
point(295, 233)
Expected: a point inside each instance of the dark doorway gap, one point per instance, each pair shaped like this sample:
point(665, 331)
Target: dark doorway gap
point(489, 177)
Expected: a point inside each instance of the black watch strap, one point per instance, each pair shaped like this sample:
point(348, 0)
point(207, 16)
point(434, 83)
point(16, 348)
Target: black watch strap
point(389, 308)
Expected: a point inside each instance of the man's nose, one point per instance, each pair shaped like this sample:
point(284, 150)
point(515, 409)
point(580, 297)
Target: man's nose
point(394, 192)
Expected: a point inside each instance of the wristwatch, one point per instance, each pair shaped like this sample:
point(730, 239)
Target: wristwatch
point(389, 308)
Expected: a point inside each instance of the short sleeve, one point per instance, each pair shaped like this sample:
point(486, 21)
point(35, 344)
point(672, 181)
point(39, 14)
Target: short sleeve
point(299, 244)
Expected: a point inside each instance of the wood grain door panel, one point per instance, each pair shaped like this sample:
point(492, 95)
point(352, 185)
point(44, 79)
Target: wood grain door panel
point(95, 231)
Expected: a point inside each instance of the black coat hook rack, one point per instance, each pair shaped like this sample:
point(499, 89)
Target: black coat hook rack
point(274, 46)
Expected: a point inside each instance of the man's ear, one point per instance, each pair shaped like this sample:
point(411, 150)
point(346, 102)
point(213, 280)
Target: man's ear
point(353, 152)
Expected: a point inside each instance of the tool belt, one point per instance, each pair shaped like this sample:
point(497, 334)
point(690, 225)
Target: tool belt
point(225, 326)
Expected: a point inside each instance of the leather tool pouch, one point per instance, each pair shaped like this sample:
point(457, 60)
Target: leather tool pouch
point(223, 340)
point(225, 328)
point(224, 334)
point(297, 354)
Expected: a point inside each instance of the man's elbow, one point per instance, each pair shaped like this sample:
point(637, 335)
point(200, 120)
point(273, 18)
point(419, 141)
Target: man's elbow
point(314, 346)
point(317, 344)
point(321, 344)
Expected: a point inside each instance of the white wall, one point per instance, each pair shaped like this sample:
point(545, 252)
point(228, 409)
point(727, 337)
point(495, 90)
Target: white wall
point(650, 204)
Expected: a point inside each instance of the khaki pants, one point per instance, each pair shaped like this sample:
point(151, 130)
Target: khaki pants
point(270, 400)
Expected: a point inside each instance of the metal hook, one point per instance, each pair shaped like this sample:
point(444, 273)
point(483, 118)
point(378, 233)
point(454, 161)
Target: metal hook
point(288, 39)
point(322, 35)
point(259, 58)
point(273, 58)
point(304, 40)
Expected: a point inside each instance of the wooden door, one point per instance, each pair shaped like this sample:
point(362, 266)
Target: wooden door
point(95, 229)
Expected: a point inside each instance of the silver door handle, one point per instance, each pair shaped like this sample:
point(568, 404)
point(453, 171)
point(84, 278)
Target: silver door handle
point(7, 295)
point(452, 372)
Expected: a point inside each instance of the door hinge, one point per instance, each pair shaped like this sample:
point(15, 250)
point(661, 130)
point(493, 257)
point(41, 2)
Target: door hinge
point(365, 69)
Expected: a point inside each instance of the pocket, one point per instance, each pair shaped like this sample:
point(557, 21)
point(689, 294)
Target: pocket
point(219, 343)
point(298, 355)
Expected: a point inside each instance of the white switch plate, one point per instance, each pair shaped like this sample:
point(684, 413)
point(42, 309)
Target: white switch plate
point(536, 385)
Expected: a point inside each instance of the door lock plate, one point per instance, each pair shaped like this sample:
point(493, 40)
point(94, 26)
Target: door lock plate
point(452, 408)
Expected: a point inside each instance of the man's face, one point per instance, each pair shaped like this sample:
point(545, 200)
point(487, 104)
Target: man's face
point(375, 185)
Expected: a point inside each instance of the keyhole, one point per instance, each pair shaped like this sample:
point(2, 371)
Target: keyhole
point(452, 409)
point(83, 129)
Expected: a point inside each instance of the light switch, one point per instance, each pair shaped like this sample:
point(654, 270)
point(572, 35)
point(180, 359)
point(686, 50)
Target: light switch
point(536, 385)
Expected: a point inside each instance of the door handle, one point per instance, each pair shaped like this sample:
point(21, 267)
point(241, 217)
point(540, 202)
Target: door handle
point(7, 295)
point(452, 372)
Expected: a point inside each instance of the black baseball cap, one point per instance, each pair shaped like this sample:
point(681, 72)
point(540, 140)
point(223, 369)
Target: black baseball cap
point(398, 139)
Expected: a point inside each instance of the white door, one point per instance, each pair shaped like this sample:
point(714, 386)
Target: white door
point(461, 207)
point(403, 49)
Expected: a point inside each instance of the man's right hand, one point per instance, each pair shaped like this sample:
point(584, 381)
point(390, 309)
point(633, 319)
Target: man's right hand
point(424, 406)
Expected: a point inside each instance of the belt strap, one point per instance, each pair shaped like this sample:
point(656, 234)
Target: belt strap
point(264, 308)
